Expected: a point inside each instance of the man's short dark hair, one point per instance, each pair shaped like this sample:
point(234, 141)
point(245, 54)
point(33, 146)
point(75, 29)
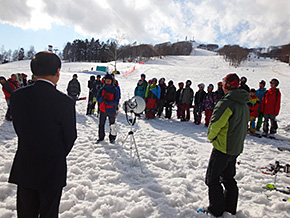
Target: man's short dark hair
point(45, 63)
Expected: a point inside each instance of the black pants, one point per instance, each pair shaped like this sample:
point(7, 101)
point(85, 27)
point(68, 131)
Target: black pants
point(221, 170)
point(8, 115)
point(160, 106)
point(197, 112)
point(168, 110)
point(38, 203)
point(102, 121)
point(274, 125)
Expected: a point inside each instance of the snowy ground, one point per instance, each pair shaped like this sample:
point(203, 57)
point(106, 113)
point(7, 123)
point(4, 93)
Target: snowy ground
point(174, 155)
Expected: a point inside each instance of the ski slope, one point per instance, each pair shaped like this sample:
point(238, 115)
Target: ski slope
point(174, 155)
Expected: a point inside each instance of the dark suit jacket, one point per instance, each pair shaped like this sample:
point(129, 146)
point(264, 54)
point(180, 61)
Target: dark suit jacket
point(45, 123)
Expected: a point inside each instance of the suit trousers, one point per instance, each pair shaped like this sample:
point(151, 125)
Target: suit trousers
point(221, 170)
point(38, 203)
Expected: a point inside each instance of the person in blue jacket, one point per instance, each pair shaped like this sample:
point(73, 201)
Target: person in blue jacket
point(108, 97)
point(140, 90)
point(260, 94)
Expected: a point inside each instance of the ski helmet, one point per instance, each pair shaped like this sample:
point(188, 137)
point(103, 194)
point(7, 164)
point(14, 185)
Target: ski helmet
point(201, 85)
point(162, 80)
point(170, 83)
point(154, 80)
point(253, 90)
point(143, 75)
point(140, 81)
point(92, 78)
point(275, 82)
point(231, 81)
point(210, 86)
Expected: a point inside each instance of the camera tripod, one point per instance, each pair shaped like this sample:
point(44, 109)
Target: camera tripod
point(133, 146)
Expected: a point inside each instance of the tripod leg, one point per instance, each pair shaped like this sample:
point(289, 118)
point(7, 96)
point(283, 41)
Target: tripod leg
point(118, 152)
point(137, 153)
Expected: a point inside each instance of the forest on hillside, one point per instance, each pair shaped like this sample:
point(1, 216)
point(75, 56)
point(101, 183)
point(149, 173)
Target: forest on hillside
point(91, 50)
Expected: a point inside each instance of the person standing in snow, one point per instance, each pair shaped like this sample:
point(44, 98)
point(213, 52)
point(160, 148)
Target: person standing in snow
point(92, 95)
point(140, 90)
point(170, 95)
point(219, 92)
point(260, 94)
point(243, 84)
point(74, 88)
point(270, 107)
point(208, 103)
point(227, 131)
point(108, 97)
point(151, 97)
point(198, 99)
point(178, 101)
point(145, 83)
point(161, 100)
point(8, 87)
point(99, 85)
point(39, 168)
point(254, 105)
point(186, 98)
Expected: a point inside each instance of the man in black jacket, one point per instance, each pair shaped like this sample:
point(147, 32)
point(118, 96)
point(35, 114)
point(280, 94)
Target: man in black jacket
point(39, 168)
point(74, 88)
point(170, 95)
point(198, 99)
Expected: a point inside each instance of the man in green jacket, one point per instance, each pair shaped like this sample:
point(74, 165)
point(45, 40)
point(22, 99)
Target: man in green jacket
point(227, 131)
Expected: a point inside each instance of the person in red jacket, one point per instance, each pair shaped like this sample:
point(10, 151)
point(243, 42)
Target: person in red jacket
point(8, 87)
point(270, 107)
point(255, 102)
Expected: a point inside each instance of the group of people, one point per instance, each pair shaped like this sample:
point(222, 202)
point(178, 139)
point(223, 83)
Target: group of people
point(106, 92)
point(263, 104)
point(50, 115)
point(160, 96)
point(8, 86)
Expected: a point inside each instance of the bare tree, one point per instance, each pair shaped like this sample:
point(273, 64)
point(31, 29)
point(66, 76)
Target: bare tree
point(114, 47)
point(234, 54)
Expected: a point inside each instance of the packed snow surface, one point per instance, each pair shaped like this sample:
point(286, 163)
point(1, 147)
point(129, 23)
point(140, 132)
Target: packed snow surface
point(174, 155)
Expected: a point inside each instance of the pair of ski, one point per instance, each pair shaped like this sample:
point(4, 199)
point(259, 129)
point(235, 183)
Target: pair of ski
point(272, 187)
point(270, 136)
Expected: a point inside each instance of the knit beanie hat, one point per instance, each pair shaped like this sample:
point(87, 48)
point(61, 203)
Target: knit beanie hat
point(231, 81)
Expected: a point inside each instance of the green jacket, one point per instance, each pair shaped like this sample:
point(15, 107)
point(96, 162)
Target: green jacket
point(229, 122)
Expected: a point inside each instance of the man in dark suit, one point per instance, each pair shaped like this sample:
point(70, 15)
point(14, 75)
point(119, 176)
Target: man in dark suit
point(45, 123)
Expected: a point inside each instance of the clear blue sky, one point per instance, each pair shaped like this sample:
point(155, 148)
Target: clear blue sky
point(12, 37)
